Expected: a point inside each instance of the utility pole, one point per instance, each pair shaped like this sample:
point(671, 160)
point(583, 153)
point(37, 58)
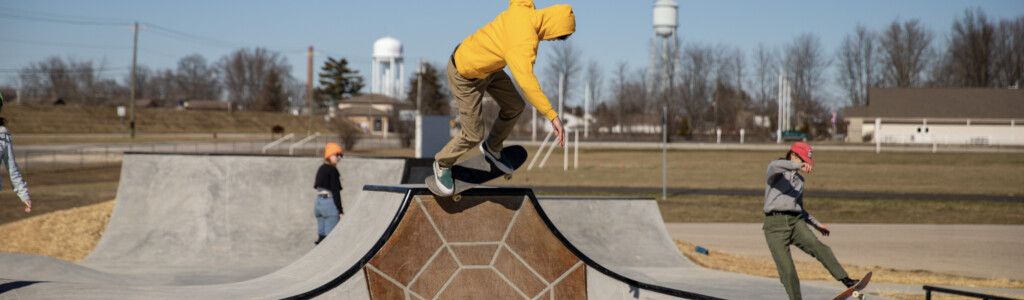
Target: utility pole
point(131, 104)
point(309, 88)
point(420, 70)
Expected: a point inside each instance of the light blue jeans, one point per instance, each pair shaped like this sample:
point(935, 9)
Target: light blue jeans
point(326, 215)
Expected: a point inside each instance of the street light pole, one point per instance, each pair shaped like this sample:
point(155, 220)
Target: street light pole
point(131, 104)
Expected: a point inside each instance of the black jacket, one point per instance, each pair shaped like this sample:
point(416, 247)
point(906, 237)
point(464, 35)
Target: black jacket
point(328, 178)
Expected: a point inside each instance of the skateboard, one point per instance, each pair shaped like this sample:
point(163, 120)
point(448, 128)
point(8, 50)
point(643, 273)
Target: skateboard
point(477, 170)
point(854, 291)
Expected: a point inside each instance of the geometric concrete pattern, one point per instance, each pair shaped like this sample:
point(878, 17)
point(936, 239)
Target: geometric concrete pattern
point(495, 246)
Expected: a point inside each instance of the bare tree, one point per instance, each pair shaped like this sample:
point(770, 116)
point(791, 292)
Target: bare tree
point(906, 52)
point(595, 79)
point(766, 73)
point(71, 80)
point(698, 66)
point(1009, 56)
point(564, 62)
point(805, 63)
point(728, 97)
point(857, 65)
point(244, 73)
point(971, 48)
point(196, 80)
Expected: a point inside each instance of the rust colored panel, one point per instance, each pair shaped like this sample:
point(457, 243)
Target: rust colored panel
point(573, 286)
point(475, 218)
point(412, 244)
point(381, 288)
point(531, 240)
point(516, 272)
point(435, 275)
point(475, 255)
point(545, 296)
point(479, 284)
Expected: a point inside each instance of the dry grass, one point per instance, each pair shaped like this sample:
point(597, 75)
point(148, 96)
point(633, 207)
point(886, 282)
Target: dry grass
point(98, 120)
point(927, 173)
point(67, 234)
point(722, 261)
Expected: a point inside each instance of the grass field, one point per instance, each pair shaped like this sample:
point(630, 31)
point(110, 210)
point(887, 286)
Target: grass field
point(924, 173)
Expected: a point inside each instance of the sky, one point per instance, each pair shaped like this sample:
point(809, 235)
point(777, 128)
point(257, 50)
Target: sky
point(609, 32)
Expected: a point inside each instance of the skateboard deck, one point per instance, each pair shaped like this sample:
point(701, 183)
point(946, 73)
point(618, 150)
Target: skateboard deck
point(478, 169)
point(855, 290)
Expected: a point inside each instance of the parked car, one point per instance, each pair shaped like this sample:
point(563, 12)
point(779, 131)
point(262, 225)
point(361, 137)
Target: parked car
point(791, 135)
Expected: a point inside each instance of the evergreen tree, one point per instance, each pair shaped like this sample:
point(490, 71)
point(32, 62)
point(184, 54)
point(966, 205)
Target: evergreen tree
point(272, 97)
point(434, 99)
point(338, 82)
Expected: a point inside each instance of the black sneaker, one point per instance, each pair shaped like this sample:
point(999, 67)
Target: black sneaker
point(849, 282)
point(496, 158)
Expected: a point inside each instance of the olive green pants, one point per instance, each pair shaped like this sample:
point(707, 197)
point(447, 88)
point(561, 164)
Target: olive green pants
point(780, 231)
point(468, 94)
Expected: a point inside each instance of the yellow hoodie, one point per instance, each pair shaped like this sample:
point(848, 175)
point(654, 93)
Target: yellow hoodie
point(511, 39)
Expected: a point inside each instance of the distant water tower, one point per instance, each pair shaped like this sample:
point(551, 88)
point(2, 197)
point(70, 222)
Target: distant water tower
point(388, 68)
point(664, 49)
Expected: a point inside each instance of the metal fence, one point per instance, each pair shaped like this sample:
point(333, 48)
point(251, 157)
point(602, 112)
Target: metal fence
point(58, 157)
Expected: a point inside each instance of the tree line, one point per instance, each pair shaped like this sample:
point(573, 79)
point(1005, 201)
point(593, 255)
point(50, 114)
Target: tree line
point(721, 87)
point(712, 86)
point(250, 79)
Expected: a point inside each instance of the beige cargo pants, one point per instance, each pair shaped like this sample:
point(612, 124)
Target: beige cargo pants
point(468, 94)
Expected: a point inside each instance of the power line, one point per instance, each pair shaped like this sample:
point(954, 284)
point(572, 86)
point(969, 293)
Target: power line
point(171, 33)
point(54, 18)
point(99, 70)
point(25, 41)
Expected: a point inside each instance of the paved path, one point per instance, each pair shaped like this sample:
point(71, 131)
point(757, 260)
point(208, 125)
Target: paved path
point(991, 251)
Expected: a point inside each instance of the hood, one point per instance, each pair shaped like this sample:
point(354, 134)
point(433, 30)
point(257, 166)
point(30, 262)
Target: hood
point(554, 21)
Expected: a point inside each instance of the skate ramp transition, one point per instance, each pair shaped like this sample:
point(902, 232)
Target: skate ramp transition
point(175, 234)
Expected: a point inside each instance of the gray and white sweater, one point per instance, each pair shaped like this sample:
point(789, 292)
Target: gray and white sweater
point(7, 158)
point(784, 190)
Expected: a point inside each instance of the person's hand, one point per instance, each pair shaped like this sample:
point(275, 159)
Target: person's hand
point(807, 168)
point(28, 206)
point(823, 229)
point(556, 123)
point(340, 216)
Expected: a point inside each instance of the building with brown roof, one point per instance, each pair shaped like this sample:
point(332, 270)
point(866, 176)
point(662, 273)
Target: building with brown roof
point(373, 112)
point(938, 115)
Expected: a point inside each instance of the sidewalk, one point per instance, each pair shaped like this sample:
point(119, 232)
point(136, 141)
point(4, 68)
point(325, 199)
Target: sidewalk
point(988, 251)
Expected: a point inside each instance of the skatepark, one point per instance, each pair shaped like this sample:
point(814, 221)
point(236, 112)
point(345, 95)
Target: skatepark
point(204, 226)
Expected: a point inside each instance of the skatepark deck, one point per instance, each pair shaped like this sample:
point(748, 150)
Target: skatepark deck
point(241, 227)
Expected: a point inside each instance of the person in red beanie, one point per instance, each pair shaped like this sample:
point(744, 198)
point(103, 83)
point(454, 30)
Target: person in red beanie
point(328, 207)
point(786, 220)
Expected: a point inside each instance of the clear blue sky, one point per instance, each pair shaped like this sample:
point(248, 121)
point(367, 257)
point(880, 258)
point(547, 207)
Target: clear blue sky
point(607, 31)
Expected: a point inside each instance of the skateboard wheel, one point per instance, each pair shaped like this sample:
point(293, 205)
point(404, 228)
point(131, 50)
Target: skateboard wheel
point(457, 198)
point(508, 177)
point(857, 294)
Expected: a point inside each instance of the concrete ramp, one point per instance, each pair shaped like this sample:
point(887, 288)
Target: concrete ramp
point(627, 244)
point(206, 219)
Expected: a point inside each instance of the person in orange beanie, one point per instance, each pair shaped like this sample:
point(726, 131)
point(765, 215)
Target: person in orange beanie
point(328, 192)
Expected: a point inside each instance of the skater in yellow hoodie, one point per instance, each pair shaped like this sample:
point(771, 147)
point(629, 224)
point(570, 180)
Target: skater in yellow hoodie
point(477, 66)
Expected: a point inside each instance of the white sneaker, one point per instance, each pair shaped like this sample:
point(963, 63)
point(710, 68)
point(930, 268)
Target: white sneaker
point(443, 180)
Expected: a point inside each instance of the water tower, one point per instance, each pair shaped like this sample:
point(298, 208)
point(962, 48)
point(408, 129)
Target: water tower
point(388, 68)
point(664, 47)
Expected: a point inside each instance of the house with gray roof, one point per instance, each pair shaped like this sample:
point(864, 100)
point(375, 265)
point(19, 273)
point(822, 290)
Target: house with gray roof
point(984, 116)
